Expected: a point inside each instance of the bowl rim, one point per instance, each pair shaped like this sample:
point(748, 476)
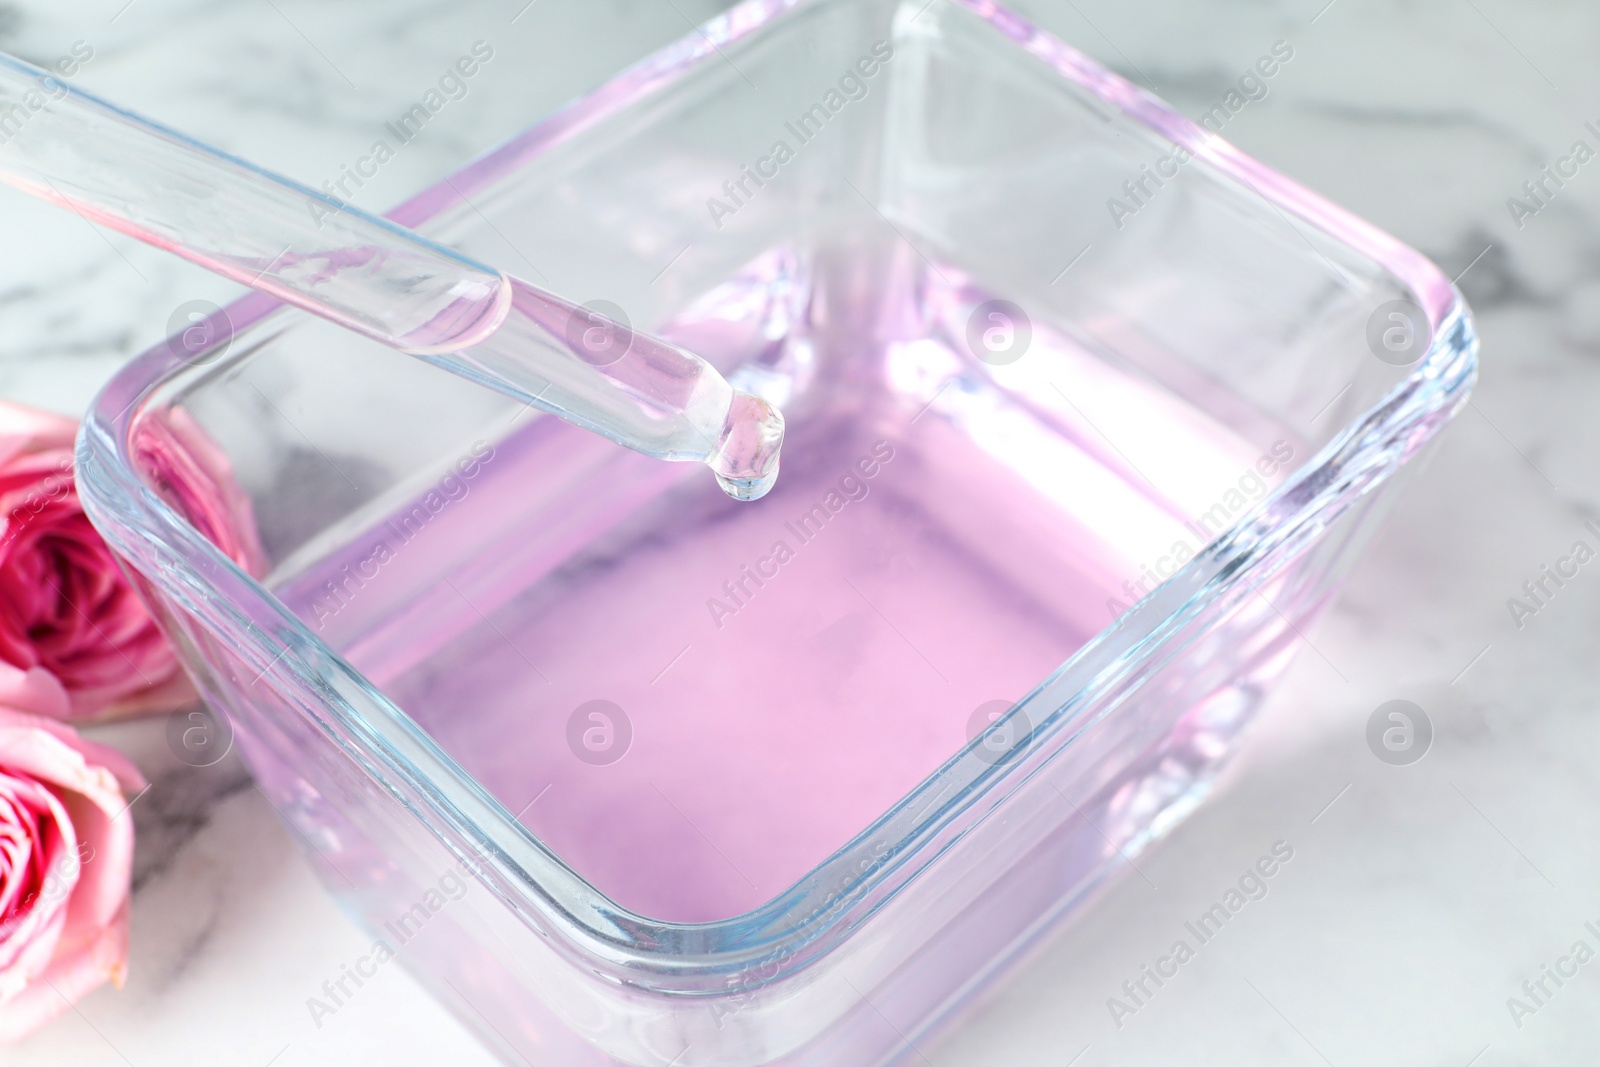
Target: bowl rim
point(821, 911)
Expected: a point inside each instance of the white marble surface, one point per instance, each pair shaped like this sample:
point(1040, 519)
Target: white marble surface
point(1416, 903)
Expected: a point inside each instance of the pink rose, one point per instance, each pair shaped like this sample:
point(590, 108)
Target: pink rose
point(66, 858)
point(178, 459)
point(66, 608)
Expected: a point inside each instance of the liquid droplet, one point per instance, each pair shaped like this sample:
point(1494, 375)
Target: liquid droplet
point(746, 459)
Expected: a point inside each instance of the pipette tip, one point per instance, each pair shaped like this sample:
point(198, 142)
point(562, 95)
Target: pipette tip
point(746, 459)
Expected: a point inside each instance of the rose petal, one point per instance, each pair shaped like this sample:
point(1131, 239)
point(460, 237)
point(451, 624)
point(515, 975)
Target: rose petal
point(67, 980)
point(66, 837)
point(24, 429)
point(65, 603)
point(35, 690)
point(31, 933)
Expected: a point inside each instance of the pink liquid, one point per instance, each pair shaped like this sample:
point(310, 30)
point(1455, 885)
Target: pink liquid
point(944, 535)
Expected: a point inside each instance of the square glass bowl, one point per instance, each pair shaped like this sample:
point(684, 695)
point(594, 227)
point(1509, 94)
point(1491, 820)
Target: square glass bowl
point(1088, 414)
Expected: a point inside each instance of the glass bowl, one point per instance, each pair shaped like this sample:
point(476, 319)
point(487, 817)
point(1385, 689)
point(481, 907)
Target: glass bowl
point(1088, 415)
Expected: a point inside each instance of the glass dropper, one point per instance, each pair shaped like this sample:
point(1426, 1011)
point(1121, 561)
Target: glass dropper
point(367, 274)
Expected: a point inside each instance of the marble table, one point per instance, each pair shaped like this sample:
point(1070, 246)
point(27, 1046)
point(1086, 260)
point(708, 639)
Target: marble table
point(1419, 898)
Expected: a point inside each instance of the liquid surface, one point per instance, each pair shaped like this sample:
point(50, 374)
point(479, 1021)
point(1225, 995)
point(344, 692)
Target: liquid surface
point(694, 702)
